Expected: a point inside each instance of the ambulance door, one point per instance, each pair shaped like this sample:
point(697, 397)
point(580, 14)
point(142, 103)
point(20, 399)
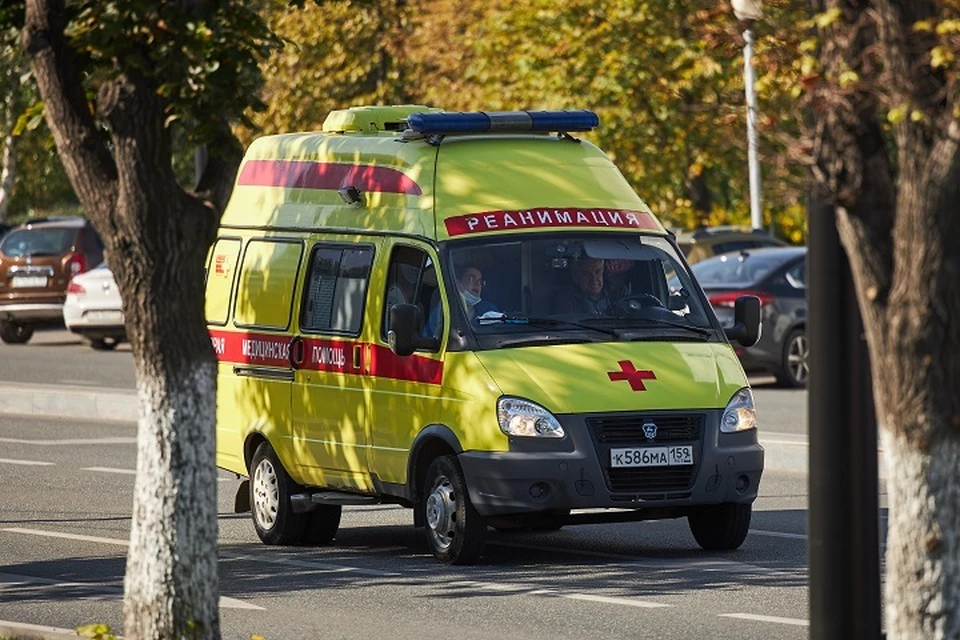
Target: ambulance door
point(254, 373)
point(330, 422)
point(405, 390)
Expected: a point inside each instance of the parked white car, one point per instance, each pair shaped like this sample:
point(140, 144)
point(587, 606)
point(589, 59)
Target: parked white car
point(93, 308)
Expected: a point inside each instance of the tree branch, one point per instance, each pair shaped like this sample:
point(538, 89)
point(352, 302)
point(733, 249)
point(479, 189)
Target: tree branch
point(85, 157)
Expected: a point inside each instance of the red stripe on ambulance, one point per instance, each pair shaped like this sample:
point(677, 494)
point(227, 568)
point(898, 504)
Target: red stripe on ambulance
point(296, 174)
point(384, 363)
point(354, 358)
point(548, 217)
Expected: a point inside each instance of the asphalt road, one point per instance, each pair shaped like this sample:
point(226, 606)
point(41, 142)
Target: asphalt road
point(64, 522)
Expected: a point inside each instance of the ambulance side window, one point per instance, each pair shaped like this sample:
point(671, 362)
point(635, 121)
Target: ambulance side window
point(336, 289)
point(411, 279)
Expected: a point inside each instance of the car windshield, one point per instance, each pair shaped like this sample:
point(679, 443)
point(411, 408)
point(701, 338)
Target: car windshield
point(736, 269)
point(37, 242)
point(563, 287)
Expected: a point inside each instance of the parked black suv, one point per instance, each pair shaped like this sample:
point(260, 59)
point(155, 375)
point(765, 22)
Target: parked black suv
point(37, 260)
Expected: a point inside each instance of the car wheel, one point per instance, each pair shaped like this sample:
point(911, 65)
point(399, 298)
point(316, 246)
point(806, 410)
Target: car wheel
point(455, 531)
point(103, 344)
point(794, 369)
point(14, 333)
point(324, 521)
point(270, 491)
point(721, 527)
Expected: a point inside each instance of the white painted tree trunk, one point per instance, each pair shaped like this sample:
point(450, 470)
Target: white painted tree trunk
point(174, 511)
point(923, 549)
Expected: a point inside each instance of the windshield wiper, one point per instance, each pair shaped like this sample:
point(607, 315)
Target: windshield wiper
point(493, 317)
point(667, 323)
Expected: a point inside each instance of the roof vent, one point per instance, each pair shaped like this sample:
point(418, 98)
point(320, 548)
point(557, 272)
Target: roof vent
point(372, 119)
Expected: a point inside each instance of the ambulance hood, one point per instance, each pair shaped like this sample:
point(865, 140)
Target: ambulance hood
point(618, 376)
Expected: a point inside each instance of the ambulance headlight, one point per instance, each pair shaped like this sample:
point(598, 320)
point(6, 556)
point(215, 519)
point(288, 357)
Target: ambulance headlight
point(526, 419)
point(740, 414)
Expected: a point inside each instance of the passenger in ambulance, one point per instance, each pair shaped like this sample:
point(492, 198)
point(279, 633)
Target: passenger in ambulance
point(470, 285)
point(586, 296)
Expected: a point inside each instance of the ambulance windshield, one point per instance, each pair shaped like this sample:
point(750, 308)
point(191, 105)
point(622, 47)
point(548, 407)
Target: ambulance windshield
point(564, 287)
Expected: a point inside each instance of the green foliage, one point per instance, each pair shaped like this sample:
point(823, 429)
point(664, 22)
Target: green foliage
point(96, 632)
point(665, 76)
point(203, 60)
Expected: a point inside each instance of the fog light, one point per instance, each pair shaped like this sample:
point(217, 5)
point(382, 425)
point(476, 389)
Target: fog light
point(539, 490)
point(743, 482)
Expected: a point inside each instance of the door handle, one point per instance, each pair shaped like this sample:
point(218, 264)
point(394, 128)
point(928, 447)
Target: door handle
point(296, 352)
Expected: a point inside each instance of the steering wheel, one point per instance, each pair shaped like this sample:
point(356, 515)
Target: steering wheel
point(638, 301)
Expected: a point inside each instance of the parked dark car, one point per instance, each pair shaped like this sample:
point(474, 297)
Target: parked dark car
point(4, 227)
point(707, 242)
point(37, 260)
point(778, 277)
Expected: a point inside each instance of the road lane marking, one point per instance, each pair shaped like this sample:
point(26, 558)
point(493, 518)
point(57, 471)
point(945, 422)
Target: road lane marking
point(531, 590)
point(751, 616)
point(67, 536)
point(309, 564)
point(778, 534)
point(130, 472)
point(228, 603)
point(70, 441)
point(31, 463)
point(629, 602)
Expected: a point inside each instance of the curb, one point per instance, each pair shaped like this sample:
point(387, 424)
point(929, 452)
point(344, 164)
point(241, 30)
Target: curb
point(23, 631)
point(782, 451)
point(95, 403)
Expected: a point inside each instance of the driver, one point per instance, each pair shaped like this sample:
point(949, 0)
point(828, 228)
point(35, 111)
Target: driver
point(587, 296)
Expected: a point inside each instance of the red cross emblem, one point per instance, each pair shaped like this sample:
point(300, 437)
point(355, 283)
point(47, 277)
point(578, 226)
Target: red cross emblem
point(629, 373)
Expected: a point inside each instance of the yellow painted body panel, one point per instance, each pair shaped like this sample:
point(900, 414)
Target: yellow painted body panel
point(575, 378)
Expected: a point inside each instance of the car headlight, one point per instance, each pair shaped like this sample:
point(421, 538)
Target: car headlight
point(526, 419)
point(740, 414)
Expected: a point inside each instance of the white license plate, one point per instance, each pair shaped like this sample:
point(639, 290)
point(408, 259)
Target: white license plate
point(105, 316)
point(652, 456)
point(24, 282)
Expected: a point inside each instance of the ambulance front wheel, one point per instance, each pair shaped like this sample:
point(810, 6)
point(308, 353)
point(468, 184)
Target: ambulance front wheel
point(270, 491)
point(455, 531)
point(721, 527)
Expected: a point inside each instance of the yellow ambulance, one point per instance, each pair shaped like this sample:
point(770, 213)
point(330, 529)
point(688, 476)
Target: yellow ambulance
point(472, 315)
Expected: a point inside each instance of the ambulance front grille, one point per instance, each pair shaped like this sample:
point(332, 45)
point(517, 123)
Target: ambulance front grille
point(628, 429)
point(650, 479)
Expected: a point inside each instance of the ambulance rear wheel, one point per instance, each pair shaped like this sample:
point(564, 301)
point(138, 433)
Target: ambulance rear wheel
point(455, 531)
point(721, 527)
point(270, 491)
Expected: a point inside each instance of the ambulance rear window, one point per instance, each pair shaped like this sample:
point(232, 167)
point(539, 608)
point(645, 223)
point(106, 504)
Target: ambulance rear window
point(268, 275)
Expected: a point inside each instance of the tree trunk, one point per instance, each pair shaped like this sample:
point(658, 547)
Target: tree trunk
point(156, 237)
point(8, 174)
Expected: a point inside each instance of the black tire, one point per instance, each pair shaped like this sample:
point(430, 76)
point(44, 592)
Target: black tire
point(14, 333)
point(455, 531)
point(270, 491)
point(324, 521)
point(103, 344)
point(794, 368)
point(721, 527)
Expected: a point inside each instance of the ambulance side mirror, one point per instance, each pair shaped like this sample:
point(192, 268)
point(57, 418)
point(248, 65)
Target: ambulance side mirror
point(746, 321)
point(406, 331)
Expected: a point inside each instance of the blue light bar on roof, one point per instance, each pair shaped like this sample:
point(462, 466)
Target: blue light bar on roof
point(502, 121)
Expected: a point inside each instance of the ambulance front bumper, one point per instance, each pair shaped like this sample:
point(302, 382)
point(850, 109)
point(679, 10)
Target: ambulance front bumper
point(576, 472)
